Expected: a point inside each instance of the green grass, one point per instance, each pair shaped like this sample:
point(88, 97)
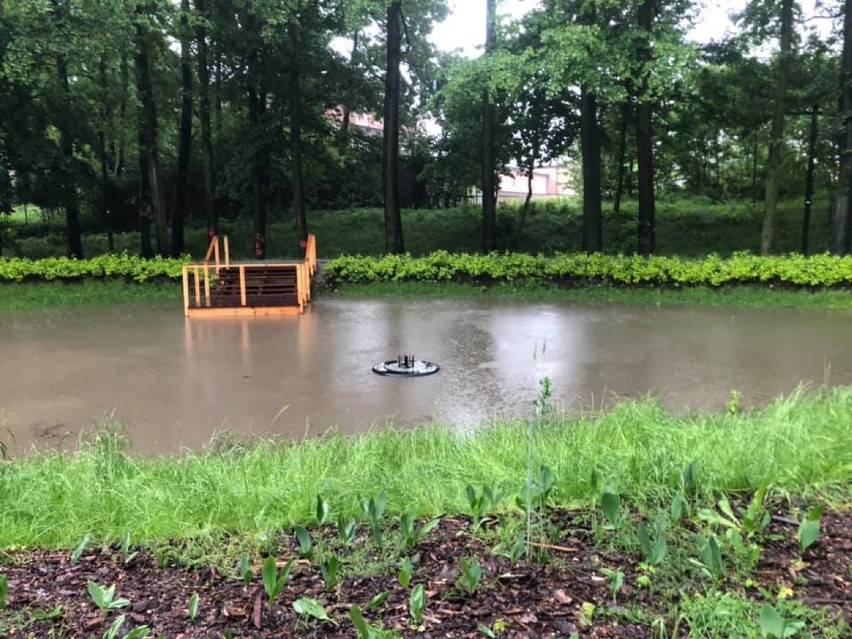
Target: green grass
point(799, 444)
point(740, 296)
point(19, 296)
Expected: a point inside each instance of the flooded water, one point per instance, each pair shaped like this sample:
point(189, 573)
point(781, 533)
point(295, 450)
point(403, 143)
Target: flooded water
point(175, 382)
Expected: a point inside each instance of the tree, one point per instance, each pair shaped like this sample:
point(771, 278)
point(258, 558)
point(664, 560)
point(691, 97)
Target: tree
point(489, 111)
point(840, 236)
point(185, 143)
point(390, 133)
point(644, 132)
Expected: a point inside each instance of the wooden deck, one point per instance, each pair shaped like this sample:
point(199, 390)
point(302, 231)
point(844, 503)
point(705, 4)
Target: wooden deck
point(224, 289)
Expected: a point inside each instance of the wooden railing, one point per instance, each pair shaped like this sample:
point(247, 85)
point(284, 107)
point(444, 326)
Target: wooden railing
point(199, 283)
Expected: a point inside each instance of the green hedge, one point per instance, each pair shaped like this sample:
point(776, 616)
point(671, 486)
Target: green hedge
point(122, 266)
point(792, 271)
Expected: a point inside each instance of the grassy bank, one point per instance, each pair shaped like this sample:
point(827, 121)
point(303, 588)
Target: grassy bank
point(738, 296)
point(17, 296)
point(797, 445)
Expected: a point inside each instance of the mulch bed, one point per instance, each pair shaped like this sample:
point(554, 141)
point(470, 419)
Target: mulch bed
point(542, 599)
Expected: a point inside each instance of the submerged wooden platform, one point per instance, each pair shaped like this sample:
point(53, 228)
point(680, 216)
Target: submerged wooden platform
point(224, 289)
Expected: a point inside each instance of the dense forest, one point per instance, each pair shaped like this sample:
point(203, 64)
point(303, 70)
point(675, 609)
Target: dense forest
point(151, 115)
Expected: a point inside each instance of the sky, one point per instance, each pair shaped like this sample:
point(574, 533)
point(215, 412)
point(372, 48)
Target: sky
point(465, 27)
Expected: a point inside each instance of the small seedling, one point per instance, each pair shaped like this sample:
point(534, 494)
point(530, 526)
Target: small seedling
point(377, 601)
point(323, 511)
point(774, 626)
point(417, 603)
point(4, 590)
point(346, 528)
point(614, 581)
point(611, 507)
point(306, 544)
point(809, 529)
point(471, 574)
point(734, 403)
point(307, 607)
point(374, 509)
point(587, 614)
point(246, 573)
point(513, 553)
point(330, 569)
point(273, 582)
point(193, 606)
point(481, 503)
point(365, 630)
point(496, 628)
point(80, 549)
point(137, 633)
point(405, 571)
point(104, 597)
point(653, 542)
point(711, 556)
point(408, 526)
point(125, 549)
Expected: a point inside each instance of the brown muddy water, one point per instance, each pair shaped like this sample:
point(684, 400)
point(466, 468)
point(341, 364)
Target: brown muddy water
point(175, 382)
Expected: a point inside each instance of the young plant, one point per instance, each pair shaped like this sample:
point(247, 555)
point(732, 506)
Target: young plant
point(405, 571)
point(307, 607)
point(81, 547)
point(611, 508)
point(246, 572)
point(137, 633)
point(513, 553)
point(809, 529)
point(377, 600)
point(614, 581)
point(711, 556)
point(125, 549)
point(330, 569)
point(273, 581)
point(417, 603)
point(410, 532)
point(346, 528)
point(774, 626)
point(481, 503)
point(4, 590)
point(653, 543)
point(323, 511)
point(104, 597)
point(306, 544)
point(192, 608)
point(365, 630)
point(374, 509)
point(471, 574)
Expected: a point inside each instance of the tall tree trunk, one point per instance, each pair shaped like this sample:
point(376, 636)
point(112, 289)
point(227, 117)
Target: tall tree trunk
point(622, 156)
point(255, 121)
point(842, 220)
point(645, 141)
point(754, 170)
point(204, 120)
point(102, 155)
point(295, 91)
point(149, 136)
point(809, 180)
point(489, 118)
point(390, 136)
point(66, 146)
point(185, 145)
point(118, 144)
point(349, 97)
point(143, 201)
point(776, 135)
point(590, 144)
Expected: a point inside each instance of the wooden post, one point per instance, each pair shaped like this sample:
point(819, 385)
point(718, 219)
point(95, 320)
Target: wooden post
point(242, 285)
point(185, 276)
point(206, 285)
point(197, 287)
point(216, 255)
point(227, 252)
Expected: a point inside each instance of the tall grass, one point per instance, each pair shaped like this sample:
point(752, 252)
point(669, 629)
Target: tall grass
point(52, 499)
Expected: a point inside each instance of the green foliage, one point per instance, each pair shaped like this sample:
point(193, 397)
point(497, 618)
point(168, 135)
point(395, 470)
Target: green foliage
point(122, 266)
point(405, 571)
point(774, 626)
point(330, 570)
point(245, 570)
point(411, 534)
point(192, 608)
point(711, 556)
point(653, 543)
point(482, 502)
point(417, 603)
point(306, 544)
point(365, 630)
point(80, 548)
point(273, 582)
point(4, 590)
point(104, 597)
point(307, 607)
point(323, 511)
point(809, 529)
point(614, 581)
point(374, 509)
point(115, 628)
point(611, 508)
point(792, 271)
point(471, 574)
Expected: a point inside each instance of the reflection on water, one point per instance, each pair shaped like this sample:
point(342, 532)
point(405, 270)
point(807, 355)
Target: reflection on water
point(175, 382)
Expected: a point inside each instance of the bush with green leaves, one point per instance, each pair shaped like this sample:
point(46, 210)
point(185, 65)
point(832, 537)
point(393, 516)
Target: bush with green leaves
point(121, 266)
point(580, 269)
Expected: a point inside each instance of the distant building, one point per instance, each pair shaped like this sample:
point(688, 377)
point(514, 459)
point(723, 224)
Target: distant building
point(548, 182)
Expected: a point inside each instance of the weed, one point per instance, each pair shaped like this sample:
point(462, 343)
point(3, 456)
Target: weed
point(330, 570)
point(774, 626)
point(471, 574)
point(273, 582)
point(417, 603)
point(711, 556)
point(245, 570)
point(614, 581)
point(411, 534)
point(734, 403)
point(405, 571)
point(809, 529)
point(587, 614)
point(192, 609)
point(374, 509)
point(104, 597)
point(544, 402)
point(4, 590)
